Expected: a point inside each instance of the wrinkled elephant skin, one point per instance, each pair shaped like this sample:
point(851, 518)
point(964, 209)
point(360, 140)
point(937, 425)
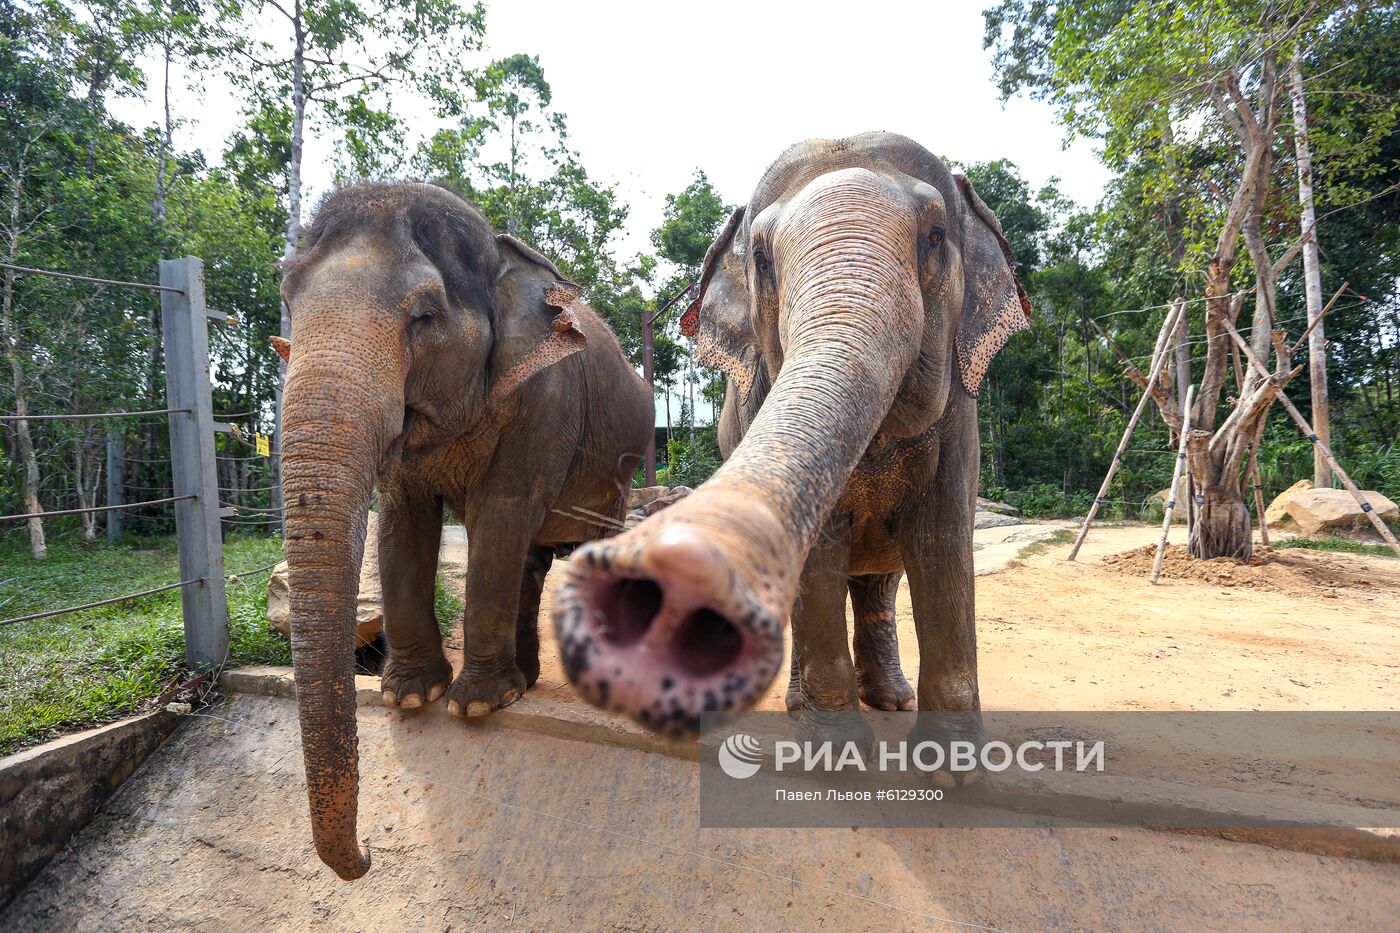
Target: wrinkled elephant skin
point(440, 365)
point(855, 304)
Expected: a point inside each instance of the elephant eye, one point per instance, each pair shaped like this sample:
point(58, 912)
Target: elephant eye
point(935, 237)
point(761, 262)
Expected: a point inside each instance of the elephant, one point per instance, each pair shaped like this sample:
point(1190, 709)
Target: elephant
point(854, 304)
point(438, 364)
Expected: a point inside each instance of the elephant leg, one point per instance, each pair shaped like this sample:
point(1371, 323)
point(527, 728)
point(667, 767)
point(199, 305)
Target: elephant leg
point(527, 618)
point(876, 643)
point(820, 651)
point(935, 537)
point(819, 642)
point(794, 690)
point(490, 677)
point(410, 530)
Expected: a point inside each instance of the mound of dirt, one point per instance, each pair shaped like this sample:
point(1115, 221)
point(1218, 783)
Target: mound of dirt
point(1308, 573)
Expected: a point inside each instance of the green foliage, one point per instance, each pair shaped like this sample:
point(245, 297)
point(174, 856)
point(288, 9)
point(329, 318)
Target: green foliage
point(80, 670)
point(1337, 544)
point(690, 465)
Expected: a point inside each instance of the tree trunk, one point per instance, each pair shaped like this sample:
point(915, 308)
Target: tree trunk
point(28, 462)
point(1312, 279)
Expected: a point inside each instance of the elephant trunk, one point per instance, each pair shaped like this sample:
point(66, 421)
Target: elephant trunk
point(684, 613)
point(337, 421)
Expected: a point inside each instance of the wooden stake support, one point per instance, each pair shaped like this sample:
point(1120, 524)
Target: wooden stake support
point(1168, 329)
point(1176, 478)
point(1311, 435)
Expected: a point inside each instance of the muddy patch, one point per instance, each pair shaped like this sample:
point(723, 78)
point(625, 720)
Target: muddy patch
point(1295, 570)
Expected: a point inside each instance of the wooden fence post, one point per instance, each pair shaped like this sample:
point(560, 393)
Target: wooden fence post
point(116, 481)
point(197, 529)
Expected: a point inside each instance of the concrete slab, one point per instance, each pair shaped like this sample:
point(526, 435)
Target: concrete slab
point(482, 826)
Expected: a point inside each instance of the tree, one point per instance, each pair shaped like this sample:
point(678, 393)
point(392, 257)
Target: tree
point(336, 56)
point(1189, 92)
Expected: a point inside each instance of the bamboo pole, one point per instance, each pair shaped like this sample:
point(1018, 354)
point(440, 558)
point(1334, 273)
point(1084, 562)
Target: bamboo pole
point(1311, 435)
point(1153, 373)
point(1258, 493)
point(1176, 478)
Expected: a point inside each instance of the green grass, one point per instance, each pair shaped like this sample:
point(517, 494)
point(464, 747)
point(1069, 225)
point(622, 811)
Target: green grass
point(74, 671)
point(70, 672)
point(1336, 544)
point(1063, 536)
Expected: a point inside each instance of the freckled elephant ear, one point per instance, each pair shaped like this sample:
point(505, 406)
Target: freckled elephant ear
point(536, 319)
point(719, 319)
point(996, 306)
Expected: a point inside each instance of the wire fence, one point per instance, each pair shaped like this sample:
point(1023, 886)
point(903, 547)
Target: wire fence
point(194, 484)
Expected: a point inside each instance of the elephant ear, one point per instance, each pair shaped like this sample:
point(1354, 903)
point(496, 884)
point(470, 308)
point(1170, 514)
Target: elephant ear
point(996, 306)
point(718, 320)
point(536, 318)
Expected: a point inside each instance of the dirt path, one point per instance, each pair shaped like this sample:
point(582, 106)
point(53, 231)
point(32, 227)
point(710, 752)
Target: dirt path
point(1303, 630)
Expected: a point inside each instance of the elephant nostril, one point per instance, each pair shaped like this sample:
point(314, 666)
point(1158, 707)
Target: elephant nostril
point(706, 643)
point(629, 606)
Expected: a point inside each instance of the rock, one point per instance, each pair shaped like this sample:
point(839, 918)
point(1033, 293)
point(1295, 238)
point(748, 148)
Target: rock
point(1182, 509)
point(1277, 512)
point(369, 608)
point(989, 505)
point(985, 519)
point(647, 501)
point(1318, 510)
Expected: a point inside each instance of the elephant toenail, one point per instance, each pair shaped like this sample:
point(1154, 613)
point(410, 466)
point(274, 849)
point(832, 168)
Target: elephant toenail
point(478, 708)
point(510, 697)
point(412, 701)
point(454, 708)
point(389, 698)
point(436, 692)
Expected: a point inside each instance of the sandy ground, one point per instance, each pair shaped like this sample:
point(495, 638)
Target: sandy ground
point(1300, 630)
point(525, 821)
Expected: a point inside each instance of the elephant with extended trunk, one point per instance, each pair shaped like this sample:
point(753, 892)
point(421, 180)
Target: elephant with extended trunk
point(855, 304)
point(445, 366)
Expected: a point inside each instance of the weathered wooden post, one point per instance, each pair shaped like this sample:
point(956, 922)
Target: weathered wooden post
point(1169, 507)
point(116, 481)
point(186, 334)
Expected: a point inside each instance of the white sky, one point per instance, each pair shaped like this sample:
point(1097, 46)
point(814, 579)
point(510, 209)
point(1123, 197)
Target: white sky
point(656, 89)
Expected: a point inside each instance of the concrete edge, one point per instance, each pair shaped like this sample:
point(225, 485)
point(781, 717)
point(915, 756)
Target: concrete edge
point(49, 792)
point(558, 719)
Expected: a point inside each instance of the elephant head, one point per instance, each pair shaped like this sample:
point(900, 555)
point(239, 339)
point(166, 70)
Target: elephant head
point(412, 325)
point(861, 286)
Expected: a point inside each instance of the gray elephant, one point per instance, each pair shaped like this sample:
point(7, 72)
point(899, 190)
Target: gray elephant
point(445, 366)
point(855, 304)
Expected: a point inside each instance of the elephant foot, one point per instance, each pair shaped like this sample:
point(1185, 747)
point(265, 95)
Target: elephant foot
point(880, 678)
point(945, 728)
point(837, 727)
point(410, 680)
point(479, 689)
point(885, 689)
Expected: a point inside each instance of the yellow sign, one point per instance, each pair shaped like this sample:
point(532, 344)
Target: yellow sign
point(264, 448)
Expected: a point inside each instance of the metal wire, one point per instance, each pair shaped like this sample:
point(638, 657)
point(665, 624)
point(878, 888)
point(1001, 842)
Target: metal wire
point(101, 602)
point(250, 508)
point(96, 415)
point(100, 508)
point(249, 489)
point(249, 573)
point(88, 278)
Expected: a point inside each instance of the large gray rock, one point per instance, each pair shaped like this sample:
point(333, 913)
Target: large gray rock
point(991, 505)
point(993, 520)
point(1317, 510)
point(369, 607)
